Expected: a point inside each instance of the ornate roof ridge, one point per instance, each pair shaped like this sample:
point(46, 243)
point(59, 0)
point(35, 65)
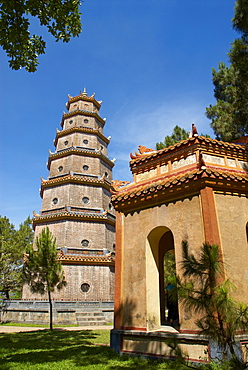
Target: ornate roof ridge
point(84, 112)
point(82, 178)
point(137, 157)
point(84, 96)
point(80, 150)
point(80, 258)
point(73, 214)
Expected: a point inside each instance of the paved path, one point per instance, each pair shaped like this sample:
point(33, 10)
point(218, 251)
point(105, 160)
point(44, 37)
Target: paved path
point(18, 329)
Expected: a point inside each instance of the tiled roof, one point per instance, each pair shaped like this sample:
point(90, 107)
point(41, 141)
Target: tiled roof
point(65, 215)
point(84, 97)
point(89, 130)
point(84, 113)
point(92, 260)
point(138, 190)
point(76, 179)
point(79, 151)
point(139, 158)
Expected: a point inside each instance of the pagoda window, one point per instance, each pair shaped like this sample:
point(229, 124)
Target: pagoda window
point(71, 122)
point(85, 287)
point(85, 200)
point(85, 141)
point(55, 200)
point(60, 168)
point(85, 167)
point(85, 243)
point(86, 120)
point(66, 142)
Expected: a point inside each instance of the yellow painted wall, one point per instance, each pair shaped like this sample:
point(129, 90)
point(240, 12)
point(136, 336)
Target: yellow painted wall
point(140, 286)
point(232, 214)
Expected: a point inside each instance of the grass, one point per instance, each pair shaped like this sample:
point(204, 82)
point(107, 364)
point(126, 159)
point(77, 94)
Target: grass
point(34, 325)
point(63, 350)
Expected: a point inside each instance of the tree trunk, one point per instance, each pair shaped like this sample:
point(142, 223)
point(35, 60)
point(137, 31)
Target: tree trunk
point(7, 294)
point(51, 310)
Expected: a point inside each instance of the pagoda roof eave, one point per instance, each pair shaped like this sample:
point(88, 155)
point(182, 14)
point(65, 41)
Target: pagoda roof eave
point(81, 129)
point(69, 259)
point(75, 179)
point(83, 152)
point(67, 215)
point(84, 97)
point(83, 113)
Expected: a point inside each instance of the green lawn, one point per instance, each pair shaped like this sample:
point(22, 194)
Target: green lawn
point(63, 350)
point(68, 350)
point(24, 324)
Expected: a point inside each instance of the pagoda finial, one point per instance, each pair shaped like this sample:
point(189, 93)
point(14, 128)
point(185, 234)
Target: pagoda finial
point(84, 92)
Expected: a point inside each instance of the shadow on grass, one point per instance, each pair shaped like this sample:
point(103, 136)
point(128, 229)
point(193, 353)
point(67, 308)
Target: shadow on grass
point(62, 350)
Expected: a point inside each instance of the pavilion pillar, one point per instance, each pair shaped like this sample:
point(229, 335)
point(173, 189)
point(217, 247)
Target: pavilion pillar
point(209, 213)
point(118, 272)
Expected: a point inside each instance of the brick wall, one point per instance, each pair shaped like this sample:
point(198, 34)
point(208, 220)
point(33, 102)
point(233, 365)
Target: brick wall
point(71, 233)
point(99, 278)
point(73, 194)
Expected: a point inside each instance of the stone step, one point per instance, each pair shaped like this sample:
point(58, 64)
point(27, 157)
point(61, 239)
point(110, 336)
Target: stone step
point(92, 318)
point(91, 323)
point(85, 314)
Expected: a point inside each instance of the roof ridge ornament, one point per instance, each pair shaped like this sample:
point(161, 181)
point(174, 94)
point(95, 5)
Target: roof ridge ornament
point(143, 149)
point(194, 130)
point(116, 184)
point(84, 93)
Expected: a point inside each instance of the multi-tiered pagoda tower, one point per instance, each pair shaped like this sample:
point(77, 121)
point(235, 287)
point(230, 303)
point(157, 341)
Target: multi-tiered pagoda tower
point(76, 203)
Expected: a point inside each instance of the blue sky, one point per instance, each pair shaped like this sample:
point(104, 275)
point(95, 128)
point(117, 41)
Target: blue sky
point(149, 61)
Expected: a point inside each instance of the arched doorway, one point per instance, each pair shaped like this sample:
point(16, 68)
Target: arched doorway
point(167, 268)
point(160, 242)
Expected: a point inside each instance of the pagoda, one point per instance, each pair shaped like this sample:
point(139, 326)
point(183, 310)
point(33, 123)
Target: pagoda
point(76, 203)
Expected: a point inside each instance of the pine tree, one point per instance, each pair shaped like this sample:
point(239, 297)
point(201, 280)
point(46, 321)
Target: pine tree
point(229, 115)
point(201, 291)
point(178, 134)
point(42, 270)
point(12, 245)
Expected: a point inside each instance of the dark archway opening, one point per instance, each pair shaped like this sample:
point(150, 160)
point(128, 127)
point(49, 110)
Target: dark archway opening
point(167, 268)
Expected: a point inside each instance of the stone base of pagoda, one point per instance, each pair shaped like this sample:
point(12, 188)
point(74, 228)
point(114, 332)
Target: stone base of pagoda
point(81, 313)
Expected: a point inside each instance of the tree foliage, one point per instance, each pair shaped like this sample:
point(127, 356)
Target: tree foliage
point(42, 270)
point(12, 245)
point(229, 115)
point(201, 291)
point(178, 134)
point(60, 17)
point(169, 267)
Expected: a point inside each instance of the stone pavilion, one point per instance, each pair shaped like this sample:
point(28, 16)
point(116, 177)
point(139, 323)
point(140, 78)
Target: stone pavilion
point(196, 190)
